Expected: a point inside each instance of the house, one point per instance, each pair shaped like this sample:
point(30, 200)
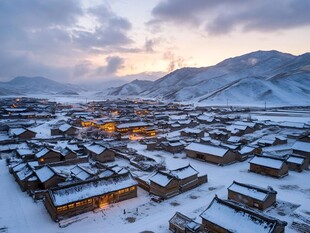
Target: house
point(191, 132)
point(100, 153)
point(132, 127)
point(218, 134)
point(302, 148)
point(25, 154)
point(188, 177)
point(67, 130)
point(251, 195)
point(150, 145)
point(269, 166)
point(64, 129)
point(206, 119)
point(251, 125)
point(48, 177)
point(22, 133)
point(239, 130)
point(172, 146)
point(304, 138)
point(245, 151)
point(223, 216)
point(163, 184)
point(172, 182)
point(210, 153)
point(47, 155)
point(25, 176)
point(68, 201)
point(297, 163)
point(180, 223)
point(67, 154)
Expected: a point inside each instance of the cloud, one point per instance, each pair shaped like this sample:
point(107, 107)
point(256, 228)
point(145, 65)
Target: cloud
point(47, 38)
point(110, 30)
point(150, 44)
point(113, 64)
point(221, 17)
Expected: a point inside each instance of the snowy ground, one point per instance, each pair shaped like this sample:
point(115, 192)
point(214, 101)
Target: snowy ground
point(19, 213)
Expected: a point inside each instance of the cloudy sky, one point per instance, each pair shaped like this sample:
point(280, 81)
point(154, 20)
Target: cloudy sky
point(90, 40)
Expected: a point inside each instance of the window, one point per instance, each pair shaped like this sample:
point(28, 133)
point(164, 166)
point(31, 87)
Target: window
point(71, 206)
point(89, 201)
point(132, 188)
point(84, 202)
point(62, 208)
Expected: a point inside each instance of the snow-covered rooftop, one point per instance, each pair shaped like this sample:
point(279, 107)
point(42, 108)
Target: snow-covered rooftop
point(97, 149)
point(132, 124)
point(267, 162)
point(184, 172)
point(161, 179)
point(302, 146)
point(41, 153)
point(44, 173)
point(214, 150)
point(17, 131)
point(296, 160)
point(249, 190)
point(64, 127)
point(235, 221)
point(90, 189)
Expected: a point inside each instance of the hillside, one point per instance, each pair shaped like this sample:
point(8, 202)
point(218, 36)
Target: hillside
point(271, 76)
point(36, 85)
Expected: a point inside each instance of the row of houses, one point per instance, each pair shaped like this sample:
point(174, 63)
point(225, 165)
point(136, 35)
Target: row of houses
point(237, 214)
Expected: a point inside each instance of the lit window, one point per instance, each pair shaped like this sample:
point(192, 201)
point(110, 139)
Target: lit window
point(71, 206)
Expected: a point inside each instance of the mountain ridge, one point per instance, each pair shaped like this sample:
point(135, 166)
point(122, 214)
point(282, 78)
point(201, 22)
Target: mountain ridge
point(284, 77)
point(23, 85)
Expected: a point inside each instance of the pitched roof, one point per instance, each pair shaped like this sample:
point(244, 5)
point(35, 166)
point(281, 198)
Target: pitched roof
point(45, 173)
point(214, 150)
point(302, 146)
point(296, 159)
point(161, 178)
point(184, 172)
point(97, 149)
point(184, 222)
point(132, 124)
point(252, 191)
point(236, 218)
point(89, 189)
point(267, 162)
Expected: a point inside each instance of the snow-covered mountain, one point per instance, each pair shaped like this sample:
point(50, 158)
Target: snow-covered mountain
point(133, 88)
point(254, 78)
point(36, 85)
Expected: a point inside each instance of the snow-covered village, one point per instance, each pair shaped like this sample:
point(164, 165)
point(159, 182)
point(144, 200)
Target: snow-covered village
point(157, 116)
point(149, 166)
